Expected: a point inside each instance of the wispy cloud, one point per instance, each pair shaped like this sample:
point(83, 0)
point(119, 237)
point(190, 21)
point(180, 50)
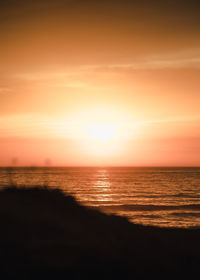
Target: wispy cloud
point(181, 59)
point(5, 90)
point(71, 85)
point(41, 126)
point(177, 119)
point(70, 76)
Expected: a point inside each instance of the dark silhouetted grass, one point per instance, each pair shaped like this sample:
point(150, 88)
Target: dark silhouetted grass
point(46, 234)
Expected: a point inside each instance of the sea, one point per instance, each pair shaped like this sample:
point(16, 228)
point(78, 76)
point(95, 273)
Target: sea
point(164, 197)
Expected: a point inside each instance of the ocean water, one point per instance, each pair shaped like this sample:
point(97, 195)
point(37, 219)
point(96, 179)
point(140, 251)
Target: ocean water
point(167, 197)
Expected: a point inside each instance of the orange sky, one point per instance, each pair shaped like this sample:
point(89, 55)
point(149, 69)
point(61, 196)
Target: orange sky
point(68, 65)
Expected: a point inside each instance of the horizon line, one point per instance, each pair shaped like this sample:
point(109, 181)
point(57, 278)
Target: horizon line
point(100, 166)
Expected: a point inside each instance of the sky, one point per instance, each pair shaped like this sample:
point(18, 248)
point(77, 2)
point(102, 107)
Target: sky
point(100, 82)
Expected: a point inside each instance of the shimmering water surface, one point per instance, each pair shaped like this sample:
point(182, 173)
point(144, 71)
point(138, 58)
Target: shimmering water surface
point(150, 196)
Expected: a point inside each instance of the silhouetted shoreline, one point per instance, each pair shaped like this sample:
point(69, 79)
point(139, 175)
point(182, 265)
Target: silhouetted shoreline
point(46, 234)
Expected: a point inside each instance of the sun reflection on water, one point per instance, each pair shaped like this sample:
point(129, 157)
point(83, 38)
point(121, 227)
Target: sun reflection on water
point(102, 186)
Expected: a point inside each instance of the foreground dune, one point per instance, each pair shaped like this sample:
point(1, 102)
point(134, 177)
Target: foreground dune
point(48, 235)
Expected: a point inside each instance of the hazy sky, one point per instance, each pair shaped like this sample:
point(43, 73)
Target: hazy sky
point(132, 65)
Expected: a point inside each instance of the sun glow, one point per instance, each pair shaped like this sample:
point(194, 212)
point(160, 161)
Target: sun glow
point(102, 139)
point(102, 132)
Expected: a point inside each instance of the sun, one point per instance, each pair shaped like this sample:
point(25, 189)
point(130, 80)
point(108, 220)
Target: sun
point(102, 132)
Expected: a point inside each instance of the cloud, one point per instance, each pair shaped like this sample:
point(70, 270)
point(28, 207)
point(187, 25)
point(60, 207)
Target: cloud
point(176, 60)
point(33, 125)
point(5, 90)
point(41, 126)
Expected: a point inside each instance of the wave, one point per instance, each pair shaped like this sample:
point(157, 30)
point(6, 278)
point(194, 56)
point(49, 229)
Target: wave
point(145, 207)
point(186, 214)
